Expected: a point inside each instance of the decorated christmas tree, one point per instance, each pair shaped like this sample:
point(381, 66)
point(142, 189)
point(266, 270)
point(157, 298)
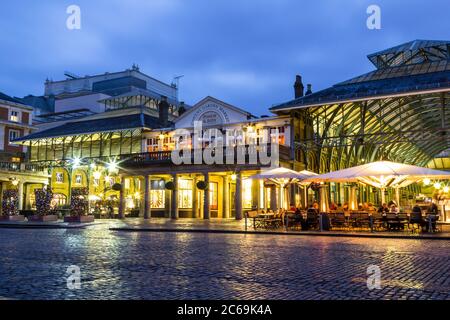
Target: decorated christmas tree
point(10, 202)
point(79, 202)
point(44, 201)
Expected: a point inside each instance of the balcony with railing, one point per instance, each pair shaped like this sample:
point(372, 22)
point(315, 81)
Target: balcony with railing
point(22, 167)
point(165, 157)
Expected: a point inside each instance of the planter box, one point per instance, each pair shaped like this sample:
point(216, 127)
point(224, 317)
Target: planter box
point(80, 219)
point(12, 218)
point(48, 218)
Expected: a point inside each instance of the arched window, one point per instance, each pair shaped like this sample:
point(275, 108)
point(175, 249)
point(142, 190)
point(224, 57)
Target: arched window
point(60, 199)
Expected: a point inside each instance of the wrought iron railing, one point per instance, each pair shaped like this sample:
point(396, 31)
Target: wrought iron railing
point(21, 167)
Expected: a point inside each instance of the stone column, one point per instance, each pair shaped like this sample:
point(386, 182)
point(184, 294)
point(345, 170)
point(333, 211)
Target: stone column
point(206, 214)
point(146, 197)
point(174, 200)
point(20, 192)
point(122, 198)
point(226, 197)
point(238, 197)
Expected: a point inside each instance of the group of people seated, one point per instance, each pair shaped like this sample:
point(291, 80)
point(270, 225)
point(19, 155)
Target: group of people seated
point(416, 215)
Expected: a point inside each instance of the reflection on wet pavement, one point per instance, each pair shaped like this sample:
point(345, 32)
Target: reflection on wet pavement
point(122, 265)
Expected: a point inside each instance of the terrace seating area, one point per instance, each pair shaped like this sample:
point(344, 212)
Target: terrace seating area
point(352, 221)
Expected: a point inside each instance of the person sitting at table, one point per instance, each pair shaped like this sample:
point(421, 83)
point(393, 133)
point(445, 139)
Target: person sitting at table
point(432, 208)
point(384, 209)
point(316, 206)
point(333, 206)
point(370, 207)
point(393, 209)
point(432, 215)
point(345, 206)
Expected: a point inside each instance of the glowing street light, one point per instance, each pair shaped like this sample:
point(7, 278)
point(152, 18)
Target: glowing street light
point(112, 166)
point(426, 181)
point(76, 162)
point(437, 185)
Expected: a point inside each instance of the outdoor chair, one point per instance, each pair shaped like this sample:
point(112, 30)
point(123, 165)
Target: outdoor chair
point(432, 222)
point(393, 223)
point(416, 222)
point(338, 220)
point(363, 220)
point(312, 219)
point(254, 216)
point(377, 221)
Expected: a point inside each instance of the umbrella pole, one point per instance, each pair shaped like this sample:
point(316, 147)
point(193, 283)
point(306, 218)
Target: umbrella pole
point(305, 197)
point(383, 196)
point(397, 196)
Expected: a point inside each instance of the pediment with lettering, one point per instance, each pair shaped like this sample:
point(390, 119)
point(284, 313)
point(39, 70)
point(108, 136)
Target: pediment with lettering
point(211, 112)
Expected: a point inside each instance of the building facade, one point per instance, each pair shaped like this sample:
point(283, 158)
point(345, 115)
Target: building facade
point(15, 173)
point(124, 157)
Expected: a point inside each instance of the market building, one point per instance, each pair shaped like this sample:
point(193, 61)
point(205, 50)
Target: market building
point(123, 156)
point(398, 112)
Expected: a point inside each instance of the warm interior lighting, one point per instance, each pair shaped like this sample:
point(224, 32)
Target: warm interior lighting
point(437, 185)
point(137, 195)
point(233, 177)
point(97, 174)
point(446, 189)
point(426, 181)
point(15, 182)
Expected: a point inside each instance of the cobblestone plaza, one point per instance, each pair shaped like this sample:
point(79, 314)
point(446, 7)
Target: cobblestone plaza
point(158, 265)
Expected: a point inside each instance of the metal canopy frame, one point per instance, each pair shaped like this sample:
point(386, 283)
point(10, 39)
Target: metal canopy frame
point(409, 129)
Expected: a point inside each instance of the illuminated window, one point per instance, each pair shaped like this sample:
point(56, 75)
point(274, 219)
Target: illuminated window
point(277, 131)
point(59, 177)
point(157, 196)
point(247, 193)
point(59, 199)
point(15, 159)
point(185, 194)
point(78, 179)
point(14, 116)
point(13, 134)
point(213, 195)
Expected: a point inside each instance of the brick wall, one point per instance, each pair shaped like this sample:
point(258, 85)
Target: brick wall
point(4, 113)
point(12, 148)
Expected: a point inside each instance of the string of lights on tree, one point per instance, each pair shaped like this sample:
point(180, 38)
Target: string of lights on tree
point(10, 202)
point(79, 201)
point(44, 198)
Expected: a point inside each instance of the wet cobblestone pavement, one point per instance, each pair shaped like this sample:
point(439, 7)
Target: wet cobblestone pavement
point(124, 265)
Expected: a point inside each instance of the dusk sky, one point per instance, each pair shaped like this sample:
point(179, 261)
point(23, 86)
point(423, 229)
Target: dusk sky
point(245, 52)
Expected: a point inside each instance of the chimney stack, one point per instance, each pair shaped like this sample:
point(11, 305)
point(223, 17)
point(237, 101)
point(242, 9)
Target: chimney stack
point(308, 90)
point(163, 112)
point(181, 108)
point(298, 87)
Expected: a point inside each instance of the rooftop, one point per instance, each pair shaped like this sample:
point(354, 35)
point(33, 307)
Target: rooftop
point(412, 67)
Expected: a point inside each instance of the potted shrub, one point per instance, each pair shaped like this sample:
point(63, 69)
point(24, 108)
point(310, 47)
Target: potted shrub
point(10, 206)
point(45, 211)
point(79, 206)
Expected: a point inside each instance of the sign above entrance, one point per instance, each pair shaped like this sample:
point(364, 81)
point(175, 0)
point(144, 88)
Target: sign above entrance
point(211, 114)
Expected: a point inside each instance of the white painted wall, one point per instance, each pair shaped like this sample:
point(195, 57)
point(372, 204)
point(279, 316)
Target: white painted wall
point(87, 101)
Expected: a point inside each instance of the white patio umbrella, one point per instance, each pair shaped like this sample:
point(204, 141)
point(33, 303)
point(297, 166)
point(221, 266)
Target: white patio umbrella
point(382, 174)
point(283, 177)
